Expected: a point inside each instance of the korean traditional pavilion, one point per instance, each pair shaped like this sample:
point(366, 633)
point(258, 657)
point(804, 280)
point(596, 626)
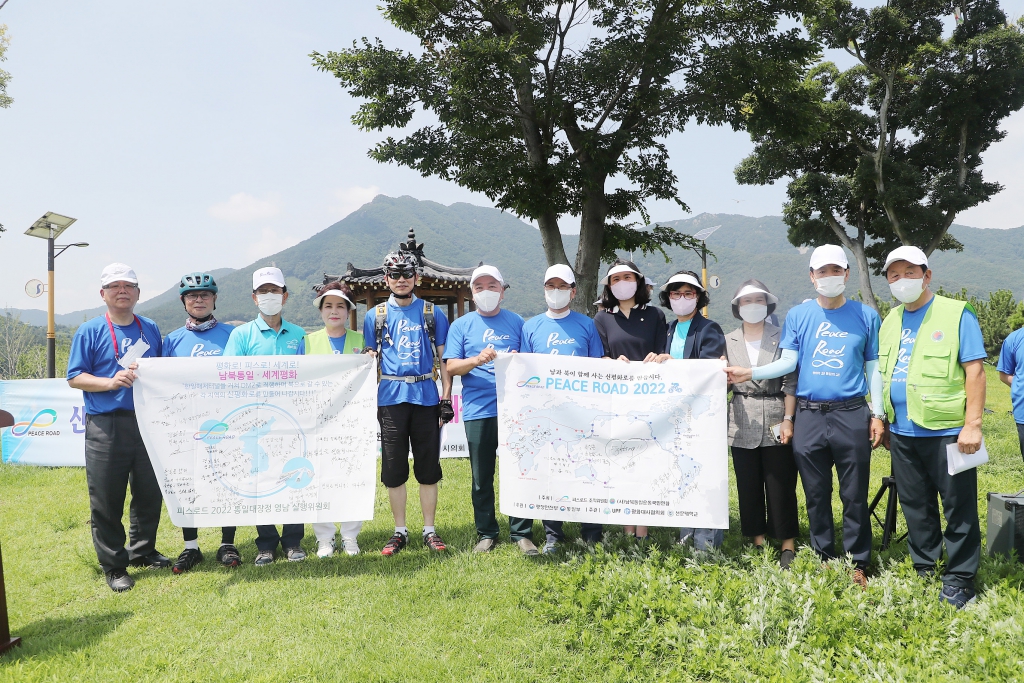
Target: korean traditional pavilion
point(442, 285)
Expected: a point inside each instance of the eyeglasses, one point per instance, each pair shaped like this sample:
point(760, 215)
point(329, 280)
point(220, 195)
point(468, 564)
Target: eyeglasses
point(560, 288)
point(400, 273)
point(197, 296)
point(126, 287)
point(680, 294)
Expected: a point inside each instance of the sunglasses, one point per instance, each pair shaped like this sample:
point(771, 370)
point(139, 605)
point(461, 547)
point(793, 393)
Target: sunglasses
point(399, 273)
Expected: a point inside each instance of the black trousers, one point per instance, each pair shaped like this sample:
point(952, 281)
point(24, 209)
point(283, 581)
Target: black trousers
point(1020, 437)
point(482, 438)
point(227, 534)
point(840, 439)
point(922, 477)
point(766, 484)
point(116, 459)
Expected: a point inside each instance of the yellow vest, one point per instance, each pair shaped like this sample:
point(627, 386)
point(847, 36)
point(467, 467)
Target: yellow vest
point(318, 343)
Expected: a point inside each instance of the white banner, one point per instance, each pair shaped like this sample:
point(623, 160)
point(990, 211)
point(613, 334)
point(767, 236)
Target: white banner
point(453, 434)
point(42, 422)
point(261, 439)
point(597, 440)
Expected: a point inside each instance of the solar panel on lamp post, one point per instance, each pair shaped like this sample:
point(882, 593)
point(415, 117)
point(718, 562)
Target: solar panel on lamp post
point(703, 236)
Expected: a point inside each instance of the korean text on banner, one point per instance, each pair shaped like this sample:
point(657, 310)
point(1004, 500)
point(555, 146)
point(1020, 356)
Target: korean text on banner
point(595, 440)
point(261, 440)
point(43, 423)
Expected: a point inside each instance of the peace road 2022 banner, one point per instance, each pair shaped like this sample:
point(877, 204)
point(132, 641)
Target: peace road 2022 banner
point(42, 422)
point(597, 440)
point(262, 439)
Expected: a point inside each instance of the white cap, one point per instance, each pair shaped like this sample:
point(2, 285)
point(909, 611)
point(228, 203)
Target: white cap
point(561, 271)
point(267, 276)
point(336, 293)
point(827, 255)
point(908, 254)
point(651, 283)
point(621, 268)
point(487, 270)
point(118, 272)
point(684, 278)
point(754, 289)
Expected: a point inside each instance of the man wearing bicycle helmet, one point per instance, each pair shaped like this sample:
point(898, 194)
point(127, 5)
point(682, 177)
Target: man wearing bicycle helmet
point(408, 335)
point(201, 335)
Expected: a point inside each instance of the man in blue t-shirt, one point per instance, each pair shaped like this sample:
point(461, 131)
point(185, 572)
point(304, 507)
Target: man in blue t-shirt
point(561, 331)
point(412, 336)
point(102, 365)
point(919, 448)
point(834, 342)
point(200, 336)
point(474, 341)
point(1011, 373)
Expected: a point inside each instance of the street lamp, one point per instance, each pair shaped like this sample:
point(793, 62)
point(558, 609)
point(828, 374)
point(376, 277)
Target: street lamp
point(49, 228)
point(703, 236)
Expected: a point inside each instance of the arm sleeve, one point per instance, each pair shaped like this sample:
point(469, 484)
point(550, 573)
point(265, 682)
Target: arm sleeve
point(783, 366)
point(874, 386)
point(713, 344)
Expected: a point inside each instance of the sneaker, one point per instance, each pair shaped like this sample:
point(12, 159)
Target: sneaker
point(485, 545)
point(297, 554)
point(434, 542)
point(786, 558)
point(550, 548)
point(926, 573)
point(350, 546)
point(119, 581)
point(189, 558)
point(957, 597)
point(860, 578)
point(325, 549)
point(228, 556)
point(394, 545)
point(264, 557)
point(527, 546)
point(152, 561)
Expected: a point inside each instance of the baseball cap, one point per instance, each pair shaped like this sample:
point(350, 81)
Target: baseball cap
point(684, 278)
point(118, 272)
point(829, 254)
point(269, 275)
point(561, 271)
point(905, 253)
point(487, 270)
point(620, 268)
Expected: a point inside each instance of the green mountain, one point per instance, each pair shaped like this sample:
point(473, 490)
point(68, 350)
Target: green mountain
point(463, 235)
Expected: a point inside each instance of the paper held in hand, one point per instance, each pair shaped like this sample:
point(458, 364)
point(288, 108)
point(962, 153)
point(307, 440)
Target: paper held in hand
point(957, 462)
point(134, 352)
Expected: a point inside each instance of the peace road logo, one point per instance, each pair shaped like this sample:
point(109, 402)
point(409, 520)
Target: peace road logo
point(37, 422)
point(937, 336)
point(532, 383)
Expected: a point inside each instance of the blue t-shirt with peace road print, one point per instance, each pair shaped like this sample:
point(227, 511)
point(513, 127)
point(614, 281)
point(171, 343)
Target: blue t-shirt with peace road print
point(405, 351)
point(972, 347)
point(832, 346)
point(184, 343)
point(471, 334)
point(573, 335)
point(92, 352)
point(1011, 362)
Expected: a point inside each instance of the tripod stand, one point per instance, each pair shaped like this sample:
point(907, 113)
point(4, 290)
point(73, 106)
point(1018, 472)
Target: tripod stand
point(888, 489)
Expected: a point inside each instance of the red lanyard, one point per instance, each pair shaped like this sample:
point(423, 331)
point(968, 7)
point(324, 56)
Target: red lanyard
point(113, 337)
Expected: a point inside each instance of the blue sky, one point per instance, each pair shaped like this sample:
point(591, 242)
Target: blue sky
point(193, 136)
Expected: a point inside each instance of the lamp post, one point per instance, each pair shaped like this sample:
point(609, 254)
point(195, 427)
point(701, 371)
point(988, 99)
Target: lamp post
point(50, 227)
point(703, 236)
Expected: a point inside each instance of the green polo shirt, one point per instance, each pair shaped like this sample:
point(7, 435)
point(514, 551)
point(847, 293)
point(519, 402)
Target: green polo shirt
point(257, 338)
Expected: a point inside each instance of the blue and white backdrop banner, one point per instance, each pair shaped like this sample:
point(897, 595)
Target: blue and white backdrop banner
point(42, 422)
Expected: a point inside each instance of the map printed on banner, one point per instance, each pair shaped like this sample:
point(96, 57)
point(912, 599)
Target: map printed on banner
point(237, 441)
point(596, 440)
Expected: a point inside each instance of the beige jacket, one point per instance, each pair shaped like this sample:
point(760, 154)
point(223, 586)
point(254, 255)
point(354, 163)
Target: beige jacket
point(756, 406)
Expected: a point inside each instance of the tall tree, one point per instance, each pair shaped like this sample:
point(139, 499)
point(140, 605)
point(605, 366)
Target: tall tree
point(891, 150)
point(554, 108)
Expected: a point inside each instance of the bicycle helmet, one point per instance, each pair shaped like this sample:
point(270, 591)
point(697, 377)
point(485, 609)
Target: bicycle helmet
point(399, 260)
point(196, 282)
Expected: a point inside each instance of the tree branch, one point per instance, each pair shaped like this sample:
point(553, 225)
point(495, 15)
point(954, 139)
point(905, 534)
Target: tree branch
point(961, 179)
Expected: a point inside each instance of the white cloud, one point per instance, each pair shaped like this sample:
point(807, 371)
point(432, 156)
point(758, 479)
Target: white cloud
point(348, 199)
point(269, 243)
point(243, 207)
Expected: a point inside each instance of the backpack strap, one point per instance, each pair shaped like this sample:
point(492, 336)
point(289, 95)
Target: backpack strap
point(380, 329)
point(428, 322)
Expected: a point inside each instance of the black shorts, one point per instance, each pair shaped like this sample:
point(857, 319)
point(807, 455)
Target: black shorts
point(404, 425)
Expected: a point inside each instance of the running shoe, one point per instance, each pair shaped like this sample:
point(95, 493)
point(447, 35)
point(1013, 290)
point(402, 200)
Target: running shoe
point(325, 549)
point(550, 548)
point(957, 596)
point(264, 557)
point(350, 546)
point(295, 554)
point(434, 542)
point(188, 559)
point(394, 545)
point(228, 556)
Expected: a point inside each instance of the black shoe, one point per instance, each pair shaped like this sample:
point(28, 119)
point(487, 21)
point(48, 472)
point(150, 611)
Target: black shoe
point(119, 581)
point(189, 558)
point(786, 558)
point(152, 561)
point(228, 556)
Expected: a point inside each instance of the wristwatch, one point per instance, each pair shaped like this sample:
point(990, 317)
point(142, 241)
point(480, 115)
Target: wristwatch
point(879, 417)
point(788, 417)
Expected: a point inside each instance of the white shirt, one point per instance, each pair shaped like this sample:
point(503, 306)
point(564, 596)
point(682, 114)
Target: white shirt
point(753, 351)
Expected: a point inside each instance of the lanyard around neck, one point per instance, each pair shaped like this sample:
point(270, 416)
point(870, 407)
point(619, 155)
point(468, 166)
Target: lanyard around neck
point(113, 337)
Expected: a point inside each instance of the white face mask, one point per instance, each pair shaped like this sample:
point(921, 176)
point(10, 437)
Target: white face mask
point(753, 313)
point(557, 299)
point(831, 286)
point(270, 304)
point(907, 290)
point(682, 306)
point(624, 290)
point(487, 300)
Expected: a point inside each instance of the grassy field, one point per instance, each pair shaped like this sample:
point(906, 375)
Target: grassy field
point(613, 613)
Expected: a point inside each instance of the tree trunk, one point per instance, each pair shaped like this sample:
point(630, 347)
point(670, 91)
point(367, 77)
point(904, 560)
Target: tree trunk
point(551, 238)
point(588, 255)
point(864, 272)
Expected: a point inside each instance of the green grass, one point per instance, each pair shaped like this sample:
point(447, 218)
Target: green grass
point(611, 614)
